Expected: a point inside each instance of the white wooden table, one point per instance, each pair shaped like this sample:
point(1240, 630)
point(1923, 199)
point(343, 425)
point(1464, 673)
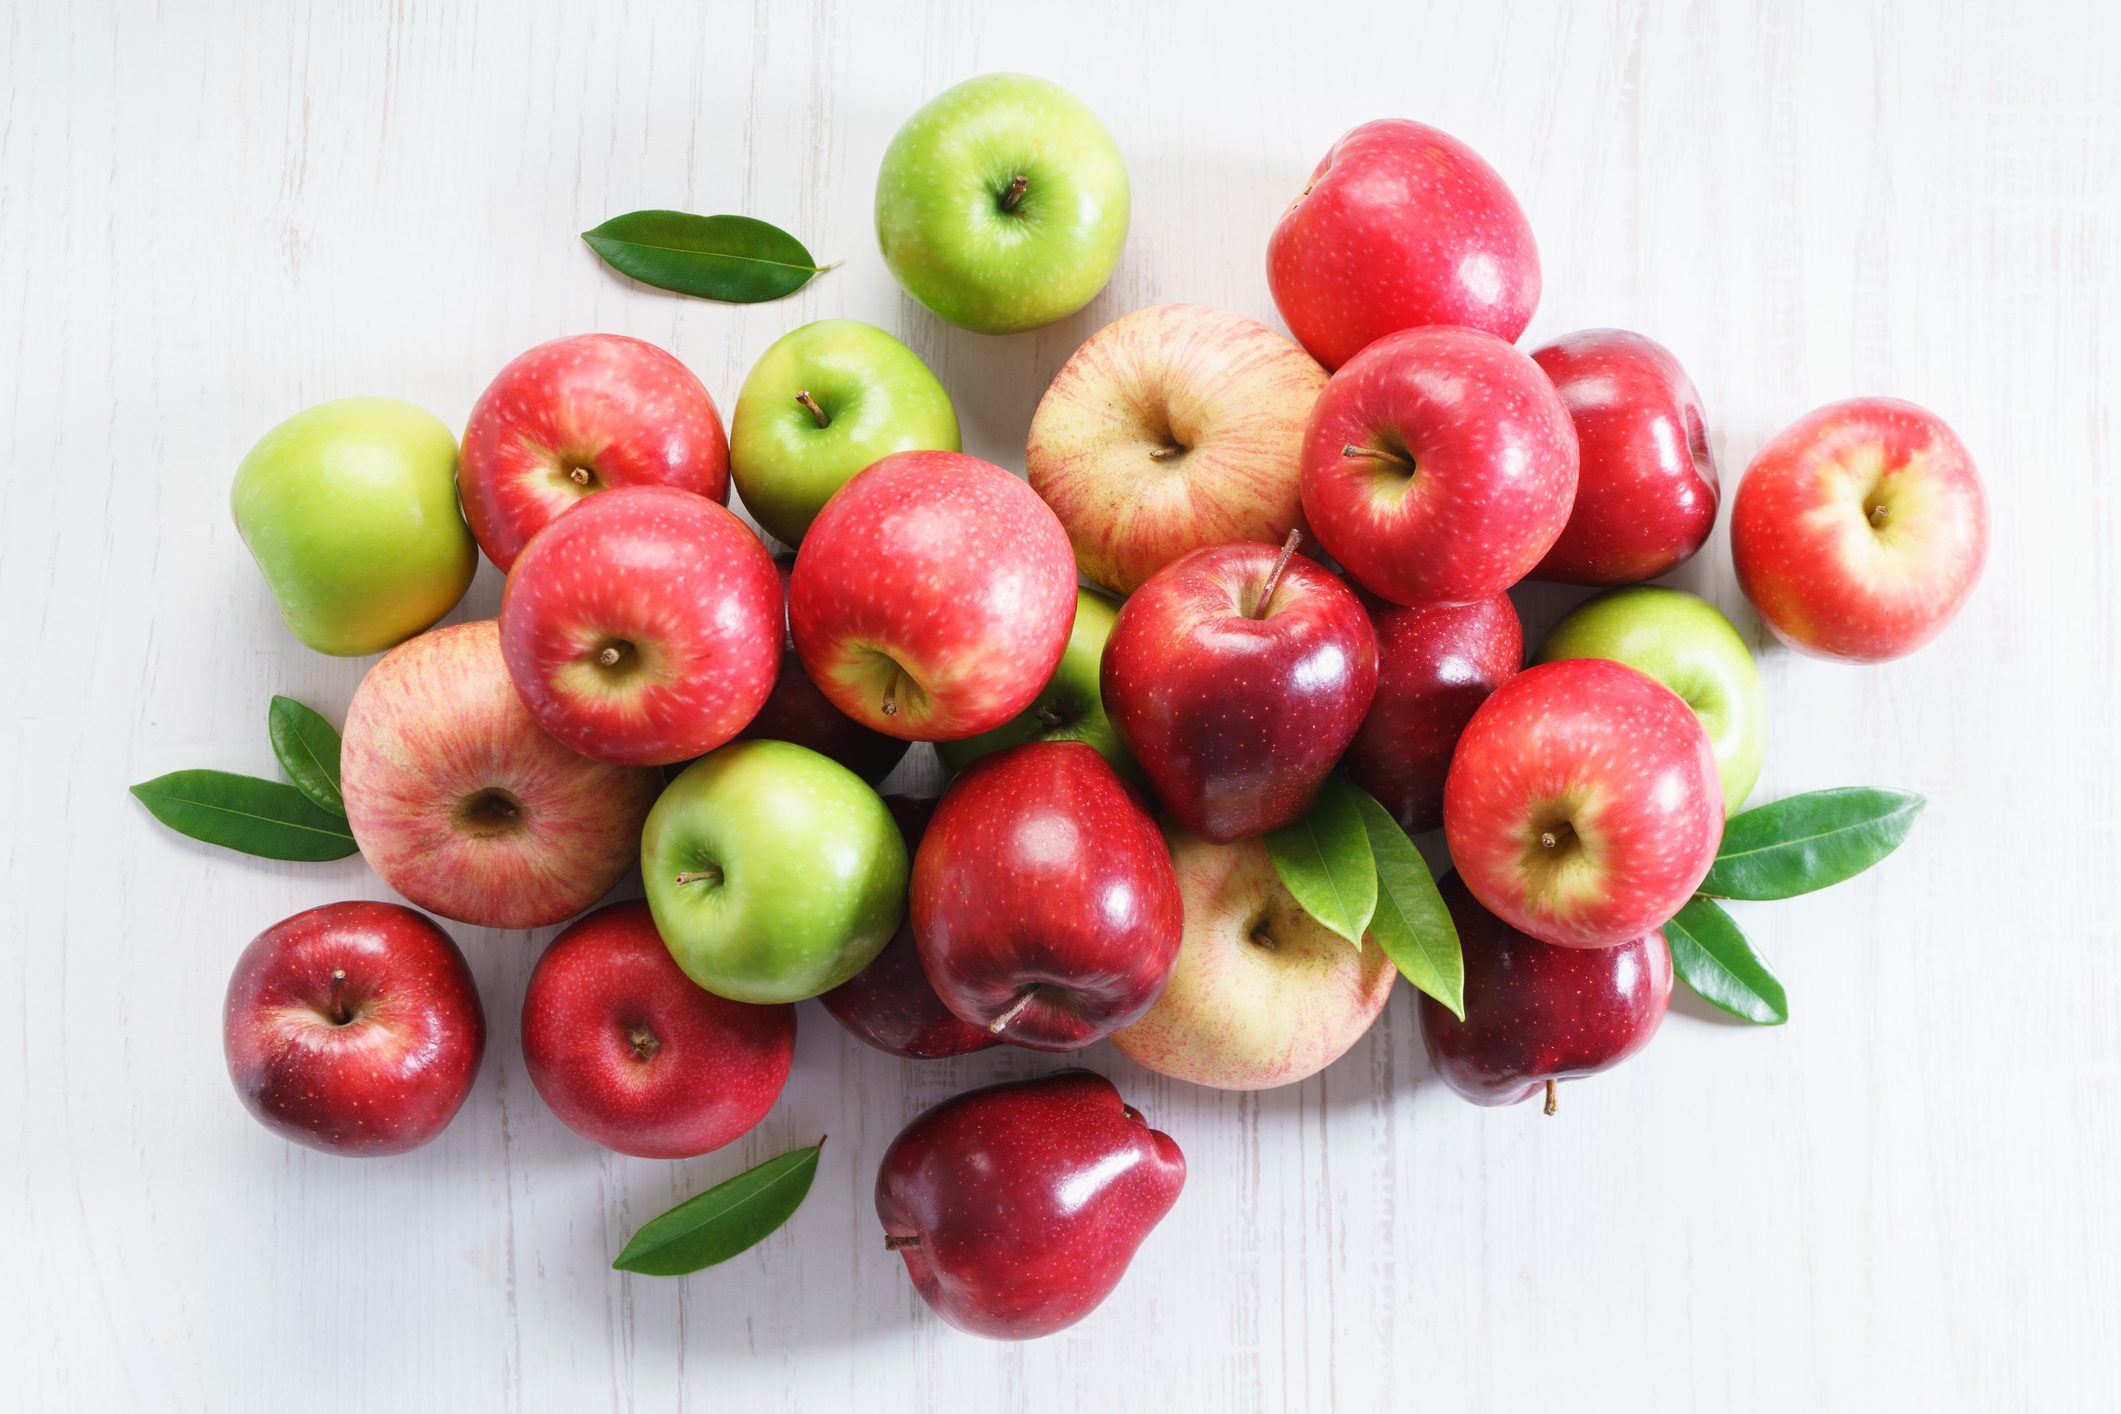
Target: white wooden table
point(211, 216)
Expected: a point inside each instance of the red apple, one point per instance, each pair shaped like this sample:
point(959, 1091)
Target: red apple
point(1401, 225)
point(796, 711)
point(933, 596)
point(1859, 531)
point(462, 802)
point(1238, 675)
point(1583, 804)
point(1436, 664)
point(644, 630)
point(1537, 1014)
point(1646, 481)
point(353, 1028)
point(631, 1055)
point(576, 416)
point(891, 1004)
point(1018, 1207)
point(1044, 902)
point(1439, 466)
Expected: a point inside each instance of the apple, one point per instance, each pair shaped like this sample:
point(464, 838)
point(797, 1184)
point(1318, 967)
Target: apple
point(1070, 707)
point(1583, 805)
point(1017, 1208)
point(464, 805)
point(1401, 225)
point(350, 510)
point(1237, 676)
point(631, 1055)
point(1537, 1014)
point(1002, 204)
point(1859, 531)
point(1436, 663)
point(1044, 904)
point(577, 416)
point(1173, 428)
point(1262, 994)
point(773, 872)
point(796, 711)
point(646, 629)
point(891, 1004)
point(1646, 484)
point(1689, 646)
point(933, 596)
point(1439, 466)
point(353, 1028)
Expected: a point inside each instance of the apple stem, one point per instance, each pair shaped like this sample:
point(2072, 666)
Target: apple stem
point(894, 1243)
point(339, 1012)
point(1164, 454)
point(1266, 595)
point(694, 876)
point(1551, 1088)
point(1879, 516)
point(1014, 197)
point(579, 475)
point(1016, 1009)
point(1377, 454)
point(817, 414)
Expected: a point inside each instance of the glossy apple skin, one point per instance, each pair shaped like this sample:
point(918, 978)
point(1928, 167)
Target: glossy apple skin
point(1018, 1207)
point(933, 596)
point(1612, 767)
point(876, 395)
point(1070, 707)
point(1237, 720)
point(890, 1004)
point(1646, 485)
point(680, 590)
point(1262, 994)
point(941, 219)
point(354, 1028)
point(350, 510)
point(1823, 576)
point(797, 711)
point(464, 805)
point(631, 1055)
point(1401, 225)
point(1436, 664)
point(1536, 1012)
point(1494, 455)
point(1040, 872)
point(1173, 428)
point(1687, 644)
point(581, 415)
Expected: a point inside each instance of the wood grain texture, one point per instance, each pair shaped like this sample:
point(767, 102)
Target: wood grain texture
point(213, 215)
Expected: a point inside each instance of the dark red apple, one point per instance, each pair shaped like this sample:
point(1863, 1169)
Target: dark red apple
point(1401, 225)
point(631, 1054)
point(891, 1004)
point(1646, 480)
point(353, 1028)
point(1435, 665)
point(1439, 466)
point(1018, 1207)
point(1537, 1014)
point(1237, 675)
point(1044, 902)
point(796, 711)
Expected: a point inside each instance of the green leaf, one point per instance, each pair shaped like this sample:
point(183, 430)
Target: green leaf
point(265, 818)
point(1809, 841)
point(731, 258)
point(1710, 955)
point(308, 748)
point(1324, 860)
point(1412, 924)
point(723, 1221)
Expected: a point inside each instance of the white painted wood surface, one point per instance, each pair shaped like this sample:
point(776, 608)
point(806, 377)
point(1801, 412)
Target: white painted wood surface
point(211, 216)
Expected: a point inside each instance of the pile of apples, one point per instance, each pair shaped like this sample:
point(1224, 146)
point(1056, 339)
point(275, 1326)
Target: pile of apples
point(1298, 555)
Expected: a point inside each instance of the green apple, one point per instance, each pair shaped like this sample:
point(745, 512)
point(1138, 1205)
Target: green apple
point(824, 402)
point(350, 510)
point(773, 872)
point(1069, 707)
point(1002, 204)
point(1690, 647)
